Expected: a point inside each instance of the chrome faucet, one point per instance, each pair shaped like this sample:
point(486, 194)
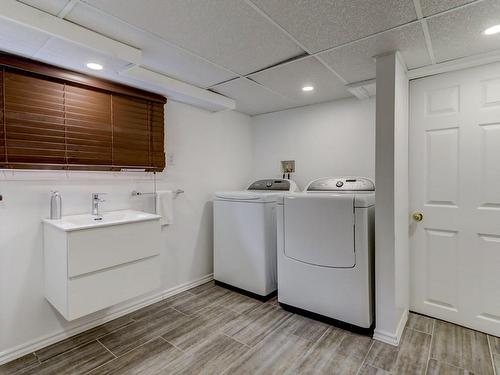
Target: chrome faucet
point(96, 199)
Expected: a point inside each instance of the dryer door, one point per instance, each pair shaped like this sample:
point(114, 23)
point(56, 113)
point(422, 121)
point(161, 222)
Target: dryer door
point(319, 229)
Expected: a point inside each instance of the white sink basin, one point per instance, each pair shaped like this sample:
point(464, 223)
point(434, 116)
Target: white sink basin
point(86, 221)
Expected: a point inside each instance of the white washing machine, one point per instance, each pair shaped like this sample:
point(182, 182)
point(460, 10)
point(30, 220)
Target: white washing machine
point(245, 236)
point(326, 250)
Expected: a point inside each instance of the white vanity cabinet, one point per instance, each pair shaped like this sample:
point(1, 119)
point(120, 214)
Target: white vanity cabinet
point(94, 264)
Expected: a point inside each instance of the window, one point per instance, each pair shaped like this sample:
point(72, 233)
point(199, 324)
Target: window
point(56, 119)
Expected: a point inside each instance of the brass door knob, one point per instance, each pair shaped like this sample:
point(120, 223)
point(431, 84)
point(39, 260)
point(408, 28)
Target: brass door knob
point(418, 216)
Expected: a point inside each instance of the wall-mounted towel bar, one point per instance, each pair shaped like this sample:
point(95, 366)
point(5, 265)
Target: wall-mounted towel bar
point(178, 191)
point(137, 193)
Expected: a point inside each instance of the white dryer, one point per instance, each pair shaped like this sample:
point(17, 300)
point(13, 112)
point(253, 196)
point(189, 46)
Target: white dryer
point(326, 250)
point(245, 236)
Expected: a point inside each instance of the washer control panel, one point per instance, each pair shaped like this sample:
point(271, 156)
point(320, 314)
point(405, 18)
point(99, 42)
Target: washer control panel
point(271, 184)
point(341, 184)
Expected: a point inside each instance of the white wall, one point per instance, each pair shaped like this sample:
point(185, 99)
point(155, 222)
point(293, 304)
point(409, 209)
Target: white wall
point(209, 151)
point(329, 139)
point(391, 214)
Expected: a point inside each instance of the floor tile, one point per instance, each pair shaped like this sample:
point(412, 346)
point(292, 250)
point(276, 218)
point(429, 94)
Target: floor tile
point(273, 301)
point(328, 344)
point(212, 356)
point(337, 352)
point(203, 325)
point(410, 357)
point(275, 355)
point(147, 359)
point(439, 368)
point(382, 355)
point(140, 332)
point(24, 363)
point(354, 346)
point(201, 300)
point(74, 362)
point(147, 311)
point(240, 303)
point(82, 338)
point(203, 287)
point(253, 327)
point(413, 353)
point(420, 323)
point(495, 344)
point(370, 370)
point(496, 362)
point(461, 347)
point(304, 328)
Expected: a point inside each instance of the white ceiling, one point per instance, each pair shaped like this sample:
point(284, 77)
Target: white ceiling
point(261, 52)
point(158, 54)
point(354, 61)
point(460, 32)
point(253, 98)
point(288, 79)
point(323, 24)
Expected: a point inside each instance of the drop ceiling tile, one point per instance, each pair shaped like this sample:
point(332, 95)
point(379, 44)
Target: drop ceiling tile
point(251, 98)
point(229, 33)
point(20, 39)
point(288, 80)
point(430, 7)
point(49, 6)
point(72, 56)
point(322, 24)
point(354, 62)
point(460, 33)
point(158, 55)
point(371, 89)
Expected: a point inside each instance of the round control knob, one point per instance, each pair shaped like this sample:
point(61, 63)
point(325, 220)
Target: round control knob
point(269, 184)
point(339, 184)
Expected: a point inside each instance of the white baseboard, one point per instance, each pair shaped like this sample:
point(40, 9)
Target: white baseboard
point(39, 343)
point(392, 338)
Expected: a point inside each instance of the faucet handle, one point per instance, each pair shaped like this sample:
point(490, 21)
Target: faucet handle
point(98, 196)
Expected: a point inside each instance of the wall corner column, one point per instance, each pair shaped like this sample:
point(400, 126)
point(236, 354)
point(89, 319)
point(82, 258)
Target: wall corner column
point(391, 214)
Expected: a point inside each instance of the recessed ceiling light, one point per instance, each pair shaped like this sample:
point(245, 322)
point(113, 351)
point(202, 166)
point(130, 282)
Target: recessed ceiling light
point(94, 66)
point(308, 88)
point(492, 30)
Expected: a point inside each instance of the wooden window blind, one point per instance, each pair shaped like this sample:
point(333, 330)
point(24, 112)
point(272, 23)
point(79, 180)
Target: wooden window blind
point(56, 119)
point(132, 119)
point(2, 124)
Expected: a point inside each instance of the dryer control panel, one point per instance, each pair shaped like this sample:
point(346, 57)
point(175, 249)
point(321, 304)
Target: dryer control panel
point(341, 184)
point(271, 184)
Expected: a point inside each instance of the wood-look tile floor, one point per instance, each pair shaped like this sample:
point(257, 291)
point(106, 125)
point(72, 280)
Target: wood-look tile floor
point(211, 330)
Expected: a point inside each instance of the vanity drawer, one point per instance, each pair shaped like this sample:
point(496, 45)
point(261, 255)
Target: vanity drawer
point(123, 244)
point(96, 291)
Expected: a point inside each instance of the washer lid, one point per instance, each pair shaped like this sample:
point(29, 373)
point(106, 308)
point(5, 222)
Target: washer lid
point(246, 196)
point(319, 229)
point(274, 184)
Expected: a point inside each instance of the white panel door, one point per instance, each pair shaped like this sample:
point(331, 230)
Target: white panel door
point(455, 184)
